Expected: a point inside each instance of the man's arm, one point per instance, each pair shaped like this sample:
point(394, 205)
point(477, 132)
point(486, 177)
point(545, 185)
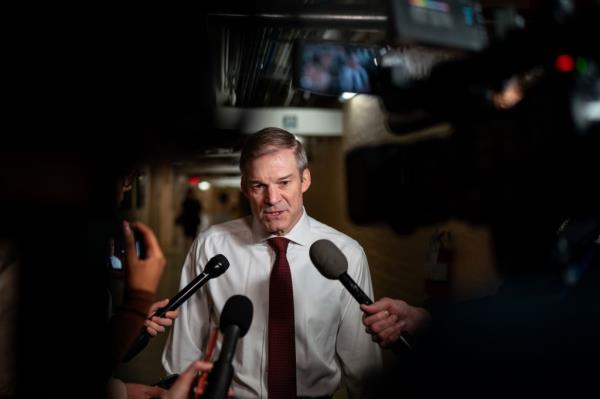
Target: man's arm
point(359, 356)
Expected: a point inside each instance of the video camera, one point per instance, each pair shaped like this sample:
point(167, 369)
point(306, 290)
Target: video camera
point(523, 107)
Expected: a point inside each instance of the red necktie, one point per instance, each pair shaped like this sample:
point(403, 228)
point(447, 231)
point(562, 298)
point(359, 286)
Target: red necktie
point(282, 346)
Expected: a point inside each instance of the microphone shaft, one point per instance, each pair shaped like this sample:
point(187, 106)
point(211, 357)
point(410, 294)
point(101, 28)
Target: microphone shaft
point(220, 376)
point(183, 295)
point(354, 289)
point(230, 337)
point(143, 338)
point(403, 343)
point(218, 382)
point(138, 345)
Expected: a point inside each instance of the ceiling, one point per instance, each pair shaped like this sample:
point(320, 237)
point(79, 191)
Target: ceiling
point(253, 46)
point(250, 46)
point(252, 42)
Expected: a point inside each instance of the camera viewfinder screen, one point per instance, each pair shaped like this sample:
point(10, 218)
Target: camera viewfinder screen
point(334, 68)
point(449, 23)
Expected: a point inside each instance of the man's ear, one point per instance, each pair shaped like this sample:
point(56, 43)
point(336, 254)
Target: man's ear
point(305, 180)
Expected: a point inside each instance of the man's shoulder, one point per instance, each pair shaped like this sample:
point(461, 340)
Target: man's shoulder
point(321, 231)
point(232, 228)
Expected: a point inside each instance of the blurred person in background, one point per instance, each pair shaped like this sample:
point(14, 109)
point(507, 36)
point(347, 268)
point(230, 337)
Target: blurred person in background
point(190, 216)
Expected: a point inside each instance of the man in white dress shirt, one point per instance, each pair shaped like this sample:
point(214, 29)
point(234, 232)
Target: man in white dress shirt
point(330, 339)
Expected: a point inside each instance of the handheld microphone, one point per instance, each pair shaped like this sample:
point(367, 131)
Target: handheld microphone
point(332, 264)
point(214, 268)
point(236, 318)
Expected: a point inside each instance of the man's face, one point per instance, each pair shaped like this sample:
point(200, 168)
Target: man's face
point(274, 188)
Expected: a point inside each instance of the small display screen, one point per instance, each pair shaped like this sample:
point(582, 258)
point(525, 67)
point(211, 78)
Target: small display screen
point(333, 68)
point(449, 23)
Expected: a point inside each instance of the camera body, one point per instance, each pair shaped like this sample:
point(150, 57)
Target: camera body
point(117, 248)
point(499, 159)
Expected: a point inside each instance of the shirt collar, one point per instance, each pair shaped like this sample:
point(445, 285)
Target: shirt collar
point(299, 233)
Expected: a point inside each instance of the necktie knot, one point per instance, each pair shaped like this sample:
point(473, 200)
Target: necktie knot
point(279, 244)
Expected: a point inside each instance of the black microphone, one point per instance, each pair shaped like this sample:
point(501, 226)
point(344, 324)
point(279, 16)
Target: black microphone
point(214, 268)
point(235, 322)
point(332, 263)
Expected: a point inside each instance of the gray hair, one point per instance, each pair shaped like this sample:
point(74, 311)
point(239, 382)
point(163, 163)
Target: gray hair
point(269, 140)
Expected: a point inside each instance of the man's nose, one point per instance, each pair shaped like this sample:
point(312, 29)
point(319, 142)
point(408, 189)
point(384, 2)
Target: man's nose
point(273, 196)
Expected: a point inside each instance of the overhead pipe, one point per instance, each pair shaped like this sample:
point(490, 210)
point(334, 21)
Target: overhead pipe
point(341, 18)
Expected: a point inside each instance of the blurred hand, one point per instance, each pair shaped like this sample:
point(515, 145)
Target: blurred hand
point(155, 324)
point(142, 274)
point(140, 391)
point(387, 318)
point(185, 383)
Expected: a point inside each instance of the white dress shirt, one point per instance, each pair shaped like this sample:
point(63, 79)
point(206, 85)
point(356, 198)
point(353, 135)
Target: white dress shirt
point(330, 337)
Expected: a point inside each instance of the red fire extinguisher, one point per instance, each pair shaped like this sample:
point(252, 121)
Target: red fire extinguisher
point(438, 266)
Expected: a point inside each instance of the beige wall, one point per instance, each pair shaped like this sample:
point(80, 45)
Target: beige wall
point(162, 213)
point(397, 262)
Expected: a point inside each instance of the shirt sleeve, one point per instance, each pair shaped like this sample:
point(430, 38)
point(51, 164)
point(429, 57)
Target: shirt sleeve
point(127, 322)
point(359, 356)
point(190, 330)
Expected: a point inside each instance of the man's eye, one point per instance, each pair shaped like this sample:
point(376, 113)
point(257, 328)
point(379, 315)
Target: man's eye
point(284, 183)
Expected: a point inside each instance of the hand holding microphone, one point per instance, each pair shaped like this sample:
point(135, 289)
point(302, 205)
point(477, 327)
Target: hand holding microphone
point(387, 318)
point(184, 384)
point(155, 324)
point(216, 266)
point(332, 264)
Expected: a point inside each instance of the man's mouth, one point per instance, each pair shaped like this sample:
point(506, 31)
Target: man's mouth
point(273, 214)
